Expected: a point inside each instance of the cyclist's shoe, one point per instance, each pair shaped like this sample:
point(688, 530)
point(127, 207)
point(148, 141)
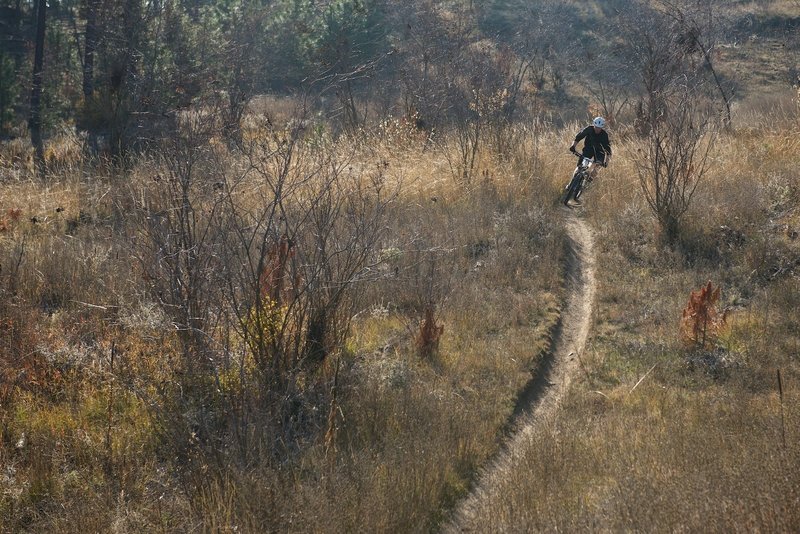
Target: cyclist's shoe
point(576, 201)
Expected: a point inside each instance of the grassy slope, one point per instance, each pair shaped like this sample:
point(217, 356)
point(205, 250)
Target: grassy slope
point(704, 448)
point(698, 445)
point(81, 449)
point(689, 448)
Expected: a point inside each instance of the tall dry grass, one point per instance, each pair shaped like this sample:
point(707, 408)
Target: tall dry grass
point(411, 432)
point(86, 436)
point(698, 444)
point(659, 459)
point(86, 445)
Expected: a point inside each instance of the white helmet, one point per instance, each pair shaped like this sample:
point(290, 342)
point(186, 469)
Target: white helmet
point(599, 122)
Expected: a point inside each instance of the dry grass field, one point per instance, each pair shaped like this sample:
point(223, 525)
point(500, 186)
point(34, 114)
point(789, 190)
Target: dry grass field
point(87, 354)
point(326, 332)
point(655, 436)
point(703, 442)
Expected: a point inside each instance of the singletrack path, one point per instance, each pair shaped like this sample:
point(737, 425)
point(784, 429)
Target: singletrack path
point(538, 404)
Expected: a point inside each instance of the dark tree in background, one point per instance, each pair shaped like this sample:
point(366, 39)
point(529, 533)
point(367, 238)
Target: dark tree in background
point(35, 120)
point(90, 46)
point(14, 22)
point(123, 70)
point(91, 38)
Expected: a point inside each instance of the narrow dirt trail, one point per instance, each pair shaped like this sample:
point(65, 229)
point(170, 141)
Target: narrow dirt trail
point(539, 403)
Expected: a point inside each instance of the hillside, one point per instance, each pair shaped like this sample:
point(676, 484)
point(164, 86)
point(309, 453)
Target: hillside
point(302, 266)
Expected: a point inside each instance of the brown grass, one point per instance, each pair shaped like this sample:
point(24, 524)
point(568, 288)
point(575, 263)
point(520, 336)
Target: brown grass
point(696, 446)
point(656, 460)
point(85, 447)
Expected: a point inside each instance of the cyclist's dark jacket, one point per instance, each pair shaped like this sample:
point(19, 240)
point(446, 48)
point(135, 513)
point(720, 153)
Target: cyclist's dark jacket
point(596, 144)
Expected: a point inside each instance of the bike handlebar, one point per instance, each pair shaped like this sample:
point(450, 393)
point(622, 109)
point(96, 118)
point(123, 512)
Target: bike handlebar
point(601, 163)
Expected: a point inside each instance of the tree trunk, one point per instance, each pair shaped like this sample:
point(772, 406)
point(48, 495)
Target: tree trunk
point(89, 49)
point(316, 335)
point(87, 122)
point(35, 119)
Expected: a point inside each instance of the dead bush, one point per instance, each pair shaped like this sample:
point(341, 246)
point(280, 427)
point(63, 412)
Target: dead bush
point(701, 322)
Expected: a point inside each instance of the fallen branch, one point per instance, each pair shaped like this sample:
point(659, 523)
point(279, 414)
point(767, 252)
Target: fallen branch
point(640, 380)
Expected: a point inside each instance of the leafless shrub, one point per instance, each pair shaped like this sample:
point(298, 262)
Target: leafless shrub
point(696, 27)
point(429, 334)
point(673, 118)
point(299, 246)
point(177, 248)
point(430, 54)
point(676, 159)
point(257, 264)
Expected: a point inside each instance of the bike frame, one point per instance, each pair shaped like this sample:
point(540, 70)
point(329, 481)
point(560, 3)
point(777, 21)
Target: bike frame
point(586, 164)
point(586, 168)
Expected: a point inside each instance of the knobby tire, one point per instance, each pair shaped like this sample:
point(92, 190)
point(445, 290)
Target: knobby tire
point(573, 188)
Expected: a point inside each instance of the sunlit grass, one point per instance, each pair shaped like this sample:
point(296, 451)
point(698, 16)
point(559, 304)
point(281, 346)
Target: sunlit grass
point(92, 448)
point(653, 437)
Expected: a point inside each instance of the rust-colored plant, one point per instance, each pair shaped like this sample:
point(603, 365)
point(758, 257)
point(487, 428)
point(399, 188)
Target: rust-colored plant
point(276, 280)
point(429, 334)
point(11, 218)
point(701, 322)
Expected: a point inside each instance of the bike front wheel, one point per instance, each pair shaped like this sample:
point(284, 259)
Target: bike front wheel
point(573, 189)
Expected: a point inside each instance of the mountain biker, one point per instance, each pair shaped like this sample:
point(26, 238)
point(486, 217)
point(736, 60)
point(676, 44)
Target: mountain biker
point(595, 142)
point(596, 145)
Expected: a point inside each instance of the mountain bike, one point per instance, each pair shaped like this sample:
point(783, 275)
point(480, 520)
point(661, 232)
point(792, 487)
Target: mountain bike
point(580, 178)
